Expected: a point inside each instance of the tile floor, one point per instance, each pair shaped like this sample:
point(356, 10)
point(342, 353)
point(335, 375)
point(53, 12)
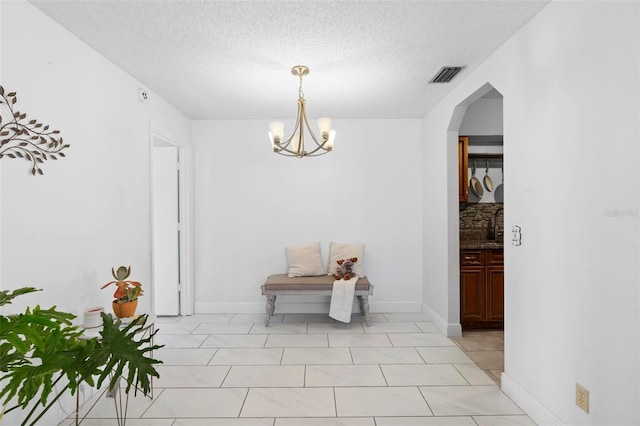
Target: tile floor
point(486, 349)
point(307, 370)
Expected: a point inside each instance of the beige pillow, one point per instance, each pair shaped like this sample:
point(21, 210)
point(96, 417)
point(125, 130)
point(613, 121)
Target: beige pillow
point(305, 261)
point(346, 251)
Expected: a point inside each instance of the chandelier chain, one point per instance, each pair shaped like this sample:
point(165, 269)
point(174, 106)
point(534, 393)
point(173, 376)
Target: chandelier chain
point(300, 92)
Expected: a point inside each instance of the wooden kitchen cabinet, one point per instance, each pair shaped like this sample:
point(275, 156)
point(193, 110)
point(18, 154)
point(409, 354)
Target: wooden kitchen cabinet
point(463, 169)
point(472, 294)
point(481, 289)
point(494, 280)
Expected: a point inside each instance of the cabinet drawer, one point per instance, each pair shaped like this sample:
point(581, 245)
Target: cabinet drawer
point(471, 257)
point(495, 257)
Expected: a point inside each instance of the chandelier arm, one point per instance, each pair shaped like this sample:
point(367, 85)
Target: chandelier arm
point(289, 153)
point(319, 145)
point(284, 146)
point(317, 154)
point(306, 122)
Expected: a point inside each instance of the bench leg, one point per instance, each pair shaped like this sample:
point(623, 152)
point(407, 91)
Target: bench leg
point(364, 308)
point(361, 305)
point(271, 306)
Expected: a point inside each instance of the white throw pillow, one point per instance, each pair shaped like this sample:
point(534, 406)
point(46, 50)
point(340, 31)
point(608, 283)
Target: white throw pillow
point(339, 251)
point(305, 261)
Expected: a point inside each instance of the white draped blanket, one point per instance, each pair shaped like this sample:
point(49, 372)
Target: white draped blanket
point(342, 299)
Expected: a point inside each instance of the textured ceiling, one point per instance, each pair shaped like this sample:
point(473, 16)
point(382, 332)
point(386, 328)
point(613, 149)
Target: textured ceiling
point(232, 59)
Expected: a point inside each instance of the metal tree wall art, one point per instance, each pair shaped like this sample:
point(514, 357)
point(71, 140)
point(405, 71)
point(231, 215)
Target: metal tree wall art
point(30, 140)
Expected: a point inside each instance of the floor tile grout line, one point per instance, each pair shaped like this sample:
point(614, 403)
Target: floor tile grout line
point(383, 376)
point(244, 400)
point(98, 397)
point(426, 402)
point(225, 377)
point(213, 356)
point(389, 339)
point(153, 401)
point(203, 340)
point(463, 376)
point(419, 354)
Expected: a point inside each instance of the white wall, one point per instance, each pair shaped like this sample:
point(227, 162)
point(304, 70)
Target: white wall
point(570, 81)
point(251, 203)
point(483, 117)
point(63, 231)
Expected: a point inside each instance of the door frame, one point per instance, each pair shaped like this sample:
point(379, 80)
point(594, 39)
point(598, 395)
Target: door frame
point(185, 203)
point(454, 327)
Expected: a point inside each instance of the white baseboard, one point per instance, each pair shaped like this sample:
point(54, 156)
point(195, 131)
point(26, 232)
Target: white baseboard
point(394, 307)
point(297, 307)
point(448, 329)
point(534, 409)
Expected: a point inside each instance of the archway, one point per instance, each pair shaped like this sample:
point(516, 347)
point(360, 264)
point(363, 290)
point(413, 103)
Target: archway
point(453, 207)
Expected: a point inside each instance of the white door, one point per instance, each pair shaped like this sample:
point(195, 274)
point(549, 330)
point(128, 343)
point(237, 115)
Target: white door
point(166, 225)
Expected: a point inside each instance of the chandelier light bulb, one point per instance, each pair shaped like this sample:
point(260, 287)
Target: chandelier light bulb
point(324, 124)
point(329, 144)
point(276, 134)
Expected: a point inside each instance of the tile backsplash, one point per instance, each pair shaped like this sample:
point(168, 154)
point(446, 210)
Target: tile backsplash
point(476, 220)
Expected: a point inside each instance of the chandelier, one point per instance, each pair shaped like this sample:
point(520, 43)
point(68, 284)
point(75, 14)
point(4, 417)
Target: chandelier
point(294, 145)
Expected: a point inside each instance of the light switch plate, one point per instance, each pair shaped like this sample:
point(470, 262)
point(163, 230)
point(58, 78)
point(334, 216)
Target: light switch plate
point(517, 235)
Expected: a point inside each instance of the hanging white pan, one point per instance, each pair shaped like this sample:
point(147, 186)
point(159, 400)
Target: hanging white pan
point(474, 183)
point(499, 193)
point(488, 183)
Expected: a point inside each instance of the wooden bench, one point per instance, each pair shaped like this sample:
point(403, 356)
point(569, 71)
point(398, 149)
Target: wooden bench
point(282, 285)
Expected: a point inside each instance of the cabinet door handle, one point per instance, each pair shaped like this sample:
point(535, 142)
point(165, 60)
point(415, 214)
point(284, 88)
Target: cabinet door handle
point(468, 258)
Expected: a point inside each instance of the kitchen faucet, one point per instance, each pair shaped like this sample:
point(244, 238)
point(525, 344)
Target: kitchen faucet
point(495, 224)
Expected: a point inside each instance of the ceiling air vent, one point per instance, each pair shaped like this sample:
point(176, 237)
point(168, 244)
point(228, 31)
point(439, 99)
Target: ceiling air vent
point(445, 74)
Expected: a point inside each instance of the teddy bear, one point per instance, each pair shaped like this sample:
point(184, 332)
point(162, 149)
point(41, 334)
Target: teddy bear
point(345, 268)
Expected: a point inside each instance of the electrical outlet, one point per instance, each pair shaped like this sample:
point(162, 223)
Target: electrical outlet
point(582, 397)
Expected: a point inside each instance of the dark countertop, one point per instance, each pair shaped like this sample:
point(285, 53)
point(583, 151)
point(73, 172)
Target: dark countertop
point(481, 244)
